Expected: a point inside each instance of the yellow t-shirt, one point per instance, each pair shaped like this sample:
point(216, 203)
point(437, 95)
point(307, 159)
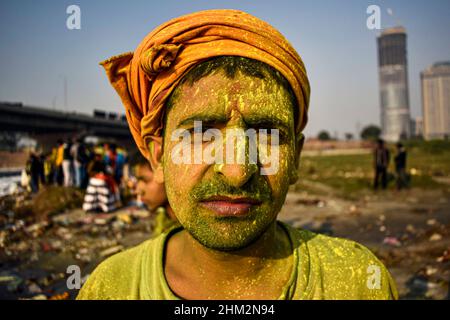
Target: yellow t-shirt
point(327, 268)
point(59, 155)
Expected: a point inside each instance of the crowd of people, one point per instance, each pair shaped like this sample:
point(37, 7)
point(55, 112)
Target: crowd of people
point(97, 169)
point(382, 158)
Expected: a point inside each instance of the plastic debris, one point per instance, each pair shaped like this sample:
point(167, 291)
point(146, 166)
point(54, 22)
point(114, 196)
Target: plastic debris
point(435, 237)
point(111, 251)
point(392, 241)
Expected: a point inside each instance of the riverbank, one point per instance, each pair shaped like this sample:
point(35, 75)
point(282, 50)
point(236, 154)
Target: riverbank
point(409, 230)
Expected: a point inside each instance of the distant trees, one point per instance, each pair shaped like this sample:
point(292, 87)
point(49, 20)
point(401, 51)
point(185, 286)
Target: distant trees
point(370, 132)
point(324, 136)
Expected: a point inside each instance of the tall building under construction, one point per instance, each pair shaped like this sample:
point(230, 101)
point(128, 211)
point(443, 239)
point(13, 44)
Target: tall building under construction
point(393, 77)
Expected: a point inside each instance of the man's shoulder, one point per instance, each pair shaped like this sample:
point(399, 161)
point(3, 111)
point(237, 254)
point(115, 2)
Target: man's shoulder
point(322, 244)
point(118, 276)
point(346, 263)
point(335, 249)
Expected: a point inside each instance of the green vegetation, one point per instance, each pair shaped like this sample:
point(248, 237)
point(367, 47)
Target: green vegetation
point(324, 136)
point(371, 132)
point(351, 176)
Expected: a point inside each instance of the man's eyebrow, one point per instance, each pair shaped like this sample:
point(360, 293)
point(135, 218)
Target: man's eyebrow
point(208, 118)
point(264, 122)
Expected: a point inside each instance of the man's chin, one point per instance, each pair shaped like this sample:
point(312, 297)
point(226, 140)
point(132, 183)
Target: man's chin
point(225, 246)
point(221, 240)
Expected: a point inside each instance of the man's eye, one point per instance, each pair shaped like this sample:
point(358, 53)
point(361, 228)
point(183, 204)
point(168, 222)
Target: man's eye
point(194, 130)
point(270, 135)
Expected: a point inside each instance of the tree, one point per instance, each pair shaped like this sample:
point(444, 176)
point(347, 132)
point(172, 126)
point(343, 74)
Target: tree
point(370, 132)
point(349, 136)
point(324, 136)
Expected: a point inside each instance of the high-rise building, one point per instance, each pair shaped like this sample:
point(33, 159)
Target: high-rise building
point(436, 101)
point(393, 76)
point(418, 127)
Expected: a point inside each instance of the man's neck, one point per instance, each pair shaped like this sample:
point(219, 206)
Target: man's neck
point(195, 271)
point(169, 212)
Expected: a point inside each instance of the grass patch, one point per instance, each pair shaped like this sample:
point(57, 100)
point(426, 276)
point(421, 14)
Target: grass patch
point(350, 175)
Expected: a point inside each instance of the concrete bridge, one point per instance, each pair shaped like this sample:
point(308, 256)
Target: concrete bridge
point(47, 126)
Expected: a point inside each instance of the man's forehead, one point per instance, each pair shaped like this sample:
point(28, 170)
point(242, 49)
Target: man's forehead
point(215, 96)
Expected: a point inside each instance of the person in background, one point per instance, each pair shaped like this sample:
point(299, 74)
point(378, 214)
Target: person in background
point(123, 164)
point(49, 166)
point(400, 167)
point(67, 164)
point(115, 160)
point(153, 195)
point(33, 168)
point(42, 176)
point(102, 193)
point(59, 157)
point(381, 162)
point(80, 160)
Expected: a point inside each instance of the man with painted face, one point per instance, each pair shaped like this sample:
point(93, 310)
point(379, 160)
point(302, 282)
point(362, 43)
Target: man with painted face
point(226, 70)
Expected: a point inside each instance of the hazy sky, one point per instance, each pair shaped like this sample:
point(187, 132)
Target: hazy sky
point(37, 50)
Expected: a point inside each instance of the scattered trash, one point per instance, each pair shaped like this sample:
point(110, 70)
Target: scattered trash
point(36, 229)
point(321, 204)
point(444, 257)
point(111, 251)
point(44, 245)
point(124, 217)
point(354, 211)
point(392, 241)
point(435, 237)
point(140, 214)
point(34, 288)
point(311, 202)
point(64, 233)
point(12, 281)
point(62, 296)
point(83, 255)
point(410, 228)
point(430, 270)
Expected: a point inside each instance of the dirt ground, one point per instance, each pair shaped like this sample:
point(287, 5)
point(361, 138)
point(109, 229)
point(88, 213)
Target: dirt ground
point(409, 231)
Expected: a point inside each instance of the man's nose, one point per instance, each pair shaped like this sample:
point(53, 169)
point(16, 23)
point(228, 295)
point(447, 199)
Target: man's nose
point(236, 175)
point(237, 172)
point(238, 168)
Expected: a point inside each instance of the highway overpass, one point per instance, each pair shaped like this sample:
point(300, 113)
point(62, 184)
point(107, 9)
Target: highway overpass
point(46, 126)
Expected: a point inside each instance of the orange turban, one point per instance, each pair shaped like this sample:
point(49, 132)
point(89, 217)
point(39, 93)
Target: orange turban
point(144, 79)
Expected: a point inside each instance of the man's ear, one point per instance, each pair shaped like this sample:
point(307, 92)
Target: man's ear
point(155, 151)
point(299, 141)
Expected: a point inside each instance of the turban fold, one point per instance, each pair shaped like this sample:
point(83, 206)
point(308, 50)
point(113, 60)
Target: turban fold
point(145, 79)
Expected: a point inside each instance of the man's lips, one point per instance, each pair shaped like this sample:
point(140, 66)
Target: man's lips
point(229, 206)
